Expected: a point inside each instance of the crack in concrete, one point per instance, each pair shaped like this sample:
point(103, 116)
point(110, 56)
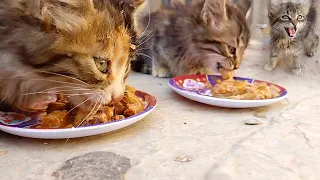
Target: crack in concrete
point(271, 122)
point(304, 135)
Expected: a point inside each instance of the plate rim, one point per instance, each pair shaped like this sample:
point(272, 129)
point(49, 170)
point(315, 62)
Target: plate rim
point(95, 126)
point(172, 81)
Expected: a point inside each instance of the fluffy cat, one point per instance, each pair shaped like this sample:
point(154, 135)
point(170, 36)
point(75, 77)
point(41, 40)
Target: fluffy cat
point(293, 31)
point(79, 48)
point(197, 39)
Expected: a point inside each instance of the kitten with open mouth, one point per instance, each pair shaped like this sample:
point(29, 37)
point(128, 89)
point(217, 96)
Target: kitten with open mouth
point(291, 32)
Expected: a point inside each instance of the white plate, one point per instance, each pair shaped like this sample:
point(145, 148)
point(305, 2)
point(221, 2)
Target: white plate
point(194, 87)
point(23, 130)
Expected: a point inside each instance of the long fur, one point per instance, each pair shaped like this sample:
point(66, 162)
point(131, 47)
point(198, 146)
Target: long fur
point(306, 39)
point(56, 44)
point(202, 38)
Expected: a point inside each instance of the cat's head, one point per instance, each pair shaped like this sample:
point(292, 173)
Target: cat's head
point(83, 46)
point(225, 34)
point(288, 18)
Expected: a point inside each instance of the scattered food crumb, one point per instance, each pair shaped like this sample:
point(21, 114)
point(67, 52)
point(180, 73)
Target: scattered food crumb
point(45, 143)
point(185, 123)
point(3, 152)
point(182, 159)
point(253, 122)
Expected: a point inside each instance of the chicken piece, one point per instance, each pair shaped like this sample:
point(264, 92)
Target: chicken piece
point(118, 117)
point(129, 112)
point(119, 108)
point(109, 111)
point(99, 118)
point(226, 74)
point(57, 106)
point(130, 89)
point(54, 120)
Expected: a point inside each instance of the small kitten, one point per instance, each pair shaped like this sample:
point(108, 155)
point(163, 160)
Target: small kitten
point(79, 48)
point(197, 39)
point(293, 30)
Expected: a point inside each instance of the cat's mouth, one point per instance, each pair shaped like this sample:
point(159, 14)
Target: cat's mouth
point(291, 32)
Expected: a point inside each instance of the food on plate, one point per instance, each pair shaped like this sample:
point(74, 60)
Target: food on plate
point(226, 74)
point(243, 90)
point(62, 114)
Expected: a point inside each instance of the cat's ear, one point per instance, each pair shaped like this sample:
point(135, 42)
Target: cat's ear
point(305, 4)
point(214, 14)
point(137, 3)
point(273, 7)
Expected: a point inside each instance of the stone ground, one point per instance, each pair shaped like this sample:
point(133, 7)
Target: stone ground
point(185, 140)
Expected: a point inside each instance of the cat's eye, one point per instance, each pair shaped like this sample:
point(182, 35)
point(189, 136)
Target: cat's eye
point(232, 50)
point(285, 17)
point(102, 64)
point(300, 18)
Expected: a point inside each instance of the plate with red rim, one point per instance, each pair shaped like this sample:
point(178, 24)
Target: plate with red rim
point(21, 124)
point(194, 88)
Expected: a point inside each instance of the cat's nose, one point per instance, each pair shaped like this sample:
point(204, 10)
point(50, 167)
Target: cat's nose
point(117, 98)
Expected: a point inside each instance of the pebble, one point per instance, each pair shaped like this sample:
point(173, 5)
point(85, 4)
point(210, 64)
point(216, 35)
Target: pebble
point(182, 159)
point(253, 122)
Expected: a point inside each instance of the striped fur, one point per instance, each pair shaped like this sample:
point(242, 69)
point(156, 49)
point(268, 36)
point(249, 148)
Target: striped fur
point(201, 38)
point(47, 44)
point(303, 16)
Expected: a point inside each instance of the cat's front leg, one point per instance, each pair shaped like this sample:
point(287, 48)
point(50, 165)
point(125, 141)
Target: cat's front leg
point(272, 62)
point(311, 43)
point(296, 69)
point(159, 70)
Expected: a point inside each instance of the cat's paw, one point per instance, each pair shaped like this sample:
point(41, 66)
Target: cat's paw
point(296, 71)
point(268, 68)
point(161, 73)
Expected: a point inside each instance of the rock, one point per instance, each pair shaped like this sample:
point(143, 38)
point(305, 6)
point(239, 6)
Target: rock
point(253, 122)
point(94, 166)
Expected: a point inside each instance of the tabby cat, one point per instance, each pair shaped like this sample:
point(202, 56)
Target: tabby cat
point(293, 31)
point(197, 39)
point(78, 48)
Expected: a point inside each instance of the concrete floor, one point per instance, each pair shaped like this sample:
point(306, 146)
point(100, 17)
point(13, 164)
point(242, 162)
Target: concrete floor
point(214, 142)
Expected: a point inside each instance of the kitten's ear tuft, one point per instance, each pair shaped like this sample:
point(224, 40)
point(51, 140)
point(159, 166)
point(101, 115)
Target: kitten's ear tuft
point(214, 14)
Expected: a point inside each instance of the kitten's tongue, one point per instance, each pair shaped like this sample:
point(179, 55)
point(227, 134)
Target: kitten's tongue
point(291, 31)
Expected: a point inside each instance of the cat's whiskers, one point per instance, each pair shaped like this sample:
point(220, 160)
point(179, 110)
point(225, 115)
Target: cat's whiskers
point(49, 91)
point(80, 94)
point(61, 87)
point(214, 54)
point(78, 126)
point(149, 57)
point(139, 49)
point(143, 38)
point(153, 32)
point(93, 110)
point(57, 74)
point(56, 81)
point(78, 105)
point(149, 20)
point(69, 95)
